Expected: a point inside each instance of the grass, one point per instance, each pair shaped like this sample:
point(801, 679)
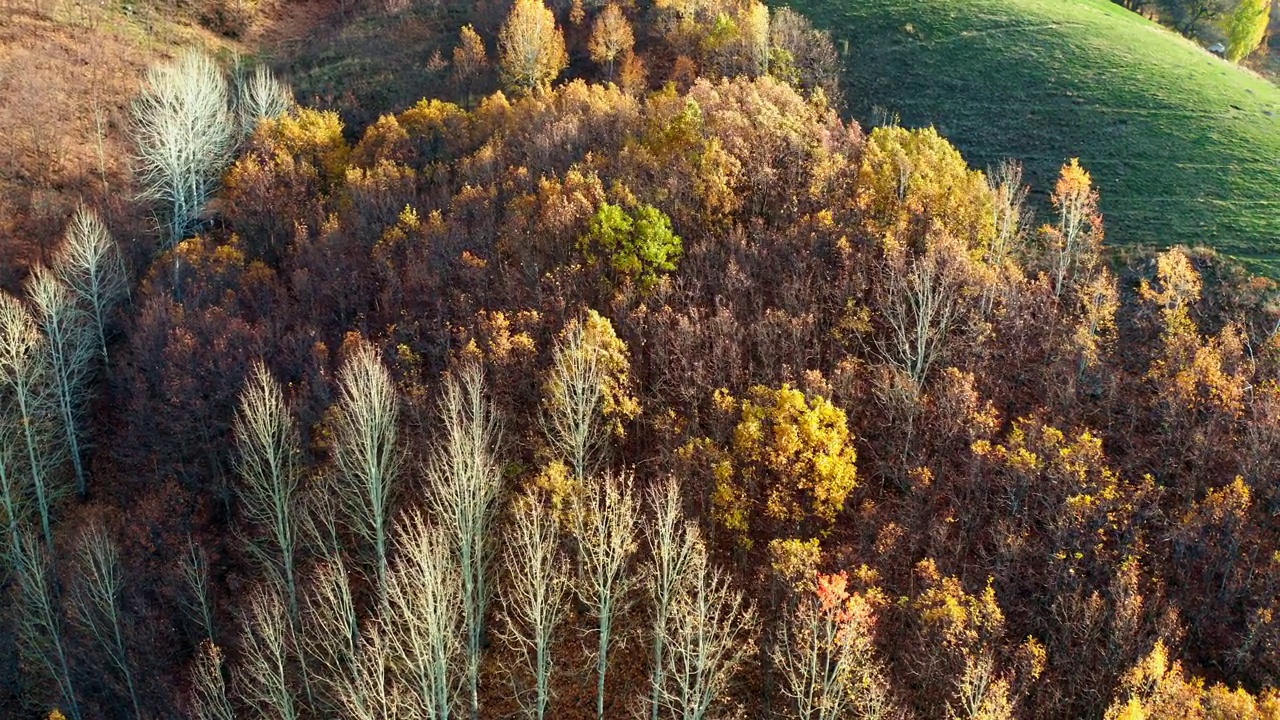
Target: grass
point(1185, 148)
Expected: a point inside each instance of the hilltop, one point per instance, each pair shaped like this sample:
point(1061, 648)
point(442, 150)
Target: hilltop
point(1184, 145)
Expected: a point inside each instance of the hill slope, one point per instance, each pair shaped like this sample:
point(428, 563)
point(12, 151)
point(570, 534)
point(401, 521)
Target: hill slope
point(1185, 147)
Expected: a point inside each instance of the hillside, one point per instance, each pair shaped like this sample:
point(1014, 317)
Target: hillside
point(1183, 145)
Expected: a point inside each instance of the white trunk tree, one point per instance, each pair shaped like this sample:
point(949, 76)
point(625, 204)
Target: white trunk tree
point(269, 467)
point(573, 404)
point(195, 574)
point(260, 96)
point(331, 632)
point(828, 665)
point(371, 693)
point(24, 375)
point(71, 348)
point(606, 529)
point(90, 264)
point(209, 700)
point(710, 634)
point(368, 453)
point(672, 545)
point(466, 479)
point(424, 619)
point(265, 680)
point(185, 135)
point(40, 626)
point(15, 493)
point(98, 603)
point(536, 598)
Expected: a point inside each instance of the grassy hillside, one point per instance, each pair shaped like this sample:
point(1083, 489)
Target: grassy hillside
point(1185, 147)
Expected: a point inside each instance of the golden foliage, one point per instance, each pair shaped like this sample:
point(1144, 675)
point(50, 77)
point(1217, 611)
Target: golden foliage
point(914, 182)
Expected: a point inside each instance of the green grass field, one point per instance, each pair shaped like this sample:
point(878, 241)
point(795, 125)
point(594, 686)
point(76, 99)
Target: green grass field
point(1184, 147)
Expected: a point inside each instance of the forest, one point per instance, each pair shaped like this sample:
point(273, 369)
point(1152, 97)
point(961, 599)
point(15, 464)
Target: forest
point(625, 377)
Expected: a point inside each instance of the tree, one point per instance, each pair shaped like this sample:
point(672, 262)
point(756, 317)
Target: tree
point(69, 343)
point(826, 657)
point(1075, 245)
point(209, 700)
point(923, 305)
point(611, 37)
point(268, 465)
point(15, 495)
point(1246, 27)
point(260, 96)
point(185, 136)
point(25, 373)
point(424, 618)
point(790, 464)
point(537, 593)
point(1189, 16)
point(605, 527)
point(98, 602)
point(331, 636)
point(469, 58)
point(673, 543)
point(803, 55)
point(39, 620)
point(91, 265)
point(638, 247)
point(708, 638)
point(367, 452)
point(266, 682)
point(196, 599)
point(466, 480)
point(531, 48)
point(586, 396)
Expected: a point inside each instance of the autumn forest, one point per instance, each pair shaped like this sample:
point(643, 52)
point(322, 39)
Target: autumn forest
point(624, 376)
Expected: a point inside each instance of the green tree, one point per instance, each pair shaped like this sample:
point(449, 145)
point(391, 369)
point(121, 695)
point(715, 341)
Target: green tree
point(1246, 28)
point(636, 246)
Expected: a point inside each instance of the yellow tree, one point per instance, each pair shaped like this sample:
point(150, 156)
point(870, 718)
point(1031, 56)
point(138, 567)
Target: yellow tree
point(531, 47)
point(611, 37)
point(469, 58)
point(790, 463)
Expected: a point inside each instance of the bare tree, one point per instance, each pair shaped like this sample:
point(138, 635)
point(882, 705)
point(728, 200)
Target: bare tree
point(573, 404)
point(209, 699)
point(260, 96)
point(40, 628)
point(709, 637)
point(195, 574)
point(98, 602)
point(24, 373)
point(185, 136)
point(605, 526)
point(367, 451)
point(922, 307)
point(826, 659)
point(268, 463)
point(537, 595)
point(331, 635)
point(15, 494)
point(70, 346)
point(466, 480)
point(424, 618)
point(371, 694)
point(91, 265)
point(265, 683)
point(673, 543)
